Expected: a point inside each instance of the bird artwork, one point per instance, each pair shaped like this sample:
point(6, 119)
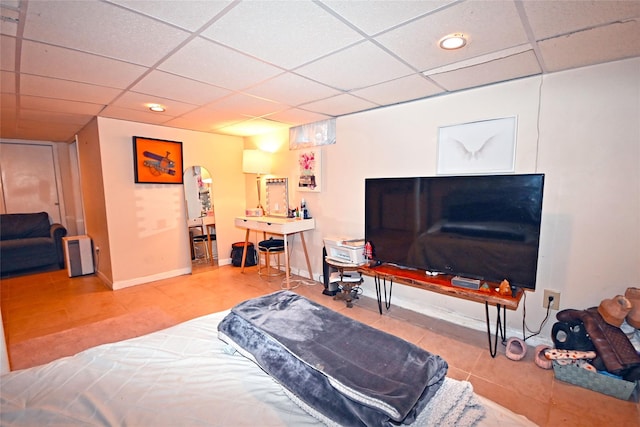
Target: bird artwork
point(475, 153)
point(477, 147)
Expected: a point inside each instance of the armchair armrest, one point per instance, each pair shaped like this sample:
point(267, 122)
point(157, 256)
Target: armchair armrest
point(57, 232)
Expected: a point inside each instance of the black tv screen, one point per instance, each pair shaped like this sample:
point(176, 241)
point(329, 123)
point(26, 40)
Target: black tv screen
point(483, 227)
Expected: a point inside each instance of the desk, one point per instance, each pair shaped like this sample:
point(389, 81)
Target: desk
point(442, 284)
point(208, 226)
point(280, 226)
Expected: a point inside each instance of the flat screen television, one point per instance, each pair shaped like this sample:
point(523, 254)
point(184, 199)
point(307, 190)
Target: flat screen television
point(484, 227)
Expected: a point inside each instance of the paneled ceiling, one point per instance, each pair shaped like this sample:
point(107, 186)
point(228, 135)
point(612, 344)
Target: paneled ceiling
point(250, 67)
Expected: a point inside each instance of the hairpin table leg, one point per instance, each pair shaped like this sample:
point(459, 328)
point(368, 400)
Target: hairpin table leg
point(501, 327)
point(387, 302)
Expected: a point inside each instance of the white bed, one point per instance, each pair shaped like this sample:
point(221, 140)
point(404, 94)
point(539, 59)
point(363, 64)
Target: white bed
point(183, 375)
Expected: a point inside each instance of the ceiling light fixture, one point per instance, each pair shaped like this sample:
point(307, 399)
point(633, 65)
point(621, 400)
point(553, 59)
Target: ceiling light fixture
point(453, 41)
point(156, 107)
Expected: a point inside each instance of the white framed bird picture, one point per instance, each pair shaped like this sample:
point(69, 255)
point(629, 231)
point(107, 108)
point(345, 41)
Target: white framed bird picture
point(487, 146)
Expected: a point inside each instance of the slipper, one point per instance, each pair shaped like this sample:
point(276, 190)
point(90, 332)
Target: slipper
point(516, 348)
point(556, 354)
point(585, 365)
point(540, 358)
point(581, 363)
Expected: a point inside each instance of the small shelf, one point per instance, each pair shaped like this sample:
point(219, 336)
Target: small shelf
point(442, 284)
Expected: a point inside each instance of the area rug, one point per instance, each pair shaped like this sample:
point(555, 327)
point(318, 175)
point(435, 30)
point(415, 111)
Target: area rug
point(41, 350)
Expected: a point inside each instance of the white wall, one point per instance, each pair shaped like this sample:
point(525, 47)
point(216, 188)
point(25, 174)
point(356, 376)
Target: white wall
point(145, 224)
point(93, 200)
point(581, 128)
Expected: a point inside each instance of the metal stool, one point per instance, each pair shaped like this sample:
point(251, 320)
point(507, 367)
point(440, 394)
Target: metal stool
point(203, 240)
point(268, 248)
point(200, 247)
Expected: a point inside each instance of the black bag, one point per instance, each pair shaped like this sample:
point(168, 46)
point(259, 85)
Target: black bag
point(571, 335)
point(236, 255)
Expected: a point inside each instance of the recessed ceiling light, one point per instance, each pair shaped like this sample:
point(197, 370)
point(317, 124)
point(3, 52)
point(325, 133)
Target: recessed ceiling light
point(453, 41)
point(156, 107)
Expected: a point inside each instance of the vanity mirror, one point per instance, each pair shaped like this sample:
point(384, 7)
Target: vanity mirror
point(277, 196)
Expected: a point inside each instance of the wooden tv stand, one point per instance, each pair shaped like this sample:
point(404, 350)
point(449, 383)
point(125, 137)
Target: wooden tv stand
point(442, 285)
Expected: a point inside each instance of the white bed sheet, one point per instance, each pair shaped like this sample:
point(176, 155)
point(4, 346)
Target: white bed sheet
point(179, 376)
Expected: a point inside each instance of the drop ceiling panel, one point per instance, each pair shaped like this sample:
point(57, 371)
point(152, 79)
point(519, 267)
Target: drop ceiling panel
point(138, 101)
point(9, 120)
point(548, 19)
point(46, 130)
point(211, 117)
point(135, 115)
point(7, 82)
point(46, 60)
point(208, 62)
point(170, 86)
point(246, 105)
point(9, 11)
point(374, 17)
point(66, 90)
point(339, 105)
point(295, 116)
point(253, 127)
point(7, 56)
point(8, 104)
point(191, 18)
point(417, 42)
point(54, 118)
point(292, 90)
point(593, 46)
point(356, 67)
point(512, 67)
point(193, 123)
point(286, 33)
point(129, 36)
point(400, 90)
point(183, 123)
point(61, 106)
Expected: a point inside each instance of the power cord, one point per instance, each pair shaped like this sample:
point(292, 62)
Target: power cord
point(524, 315)
point(294, 283)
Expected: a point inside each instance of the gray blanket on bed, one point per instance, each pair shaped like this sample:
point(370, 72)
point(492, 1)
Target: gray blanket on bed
point(348, 372)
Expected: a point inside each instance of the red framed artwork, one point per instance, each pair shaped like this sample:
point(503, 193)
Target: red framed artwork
point(157, 161)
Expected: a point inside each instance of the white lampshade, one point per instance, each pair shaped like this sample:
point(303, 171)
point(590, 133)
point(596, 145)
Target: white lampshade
point(256, 161)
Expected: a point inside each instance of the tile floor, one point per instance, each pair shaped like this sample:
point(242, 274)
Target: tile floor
point(45, 303)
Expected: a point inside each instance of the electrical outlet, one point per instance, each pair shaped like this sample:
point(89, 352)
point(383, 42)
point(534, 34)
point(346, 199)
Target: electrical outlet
point(555, 304)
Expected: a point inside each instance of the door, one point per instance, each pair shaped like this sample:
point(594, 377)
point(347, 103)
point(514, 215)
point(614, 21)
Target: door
point(28, 179)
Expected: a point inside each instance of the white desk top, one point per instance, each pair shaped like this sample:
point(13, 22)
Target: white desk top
point(279, 225)
point(275, 219)
point(200, 221)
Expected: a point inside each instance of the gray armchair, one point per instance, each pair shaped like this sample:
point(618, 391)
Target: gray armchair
point(28, 240)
